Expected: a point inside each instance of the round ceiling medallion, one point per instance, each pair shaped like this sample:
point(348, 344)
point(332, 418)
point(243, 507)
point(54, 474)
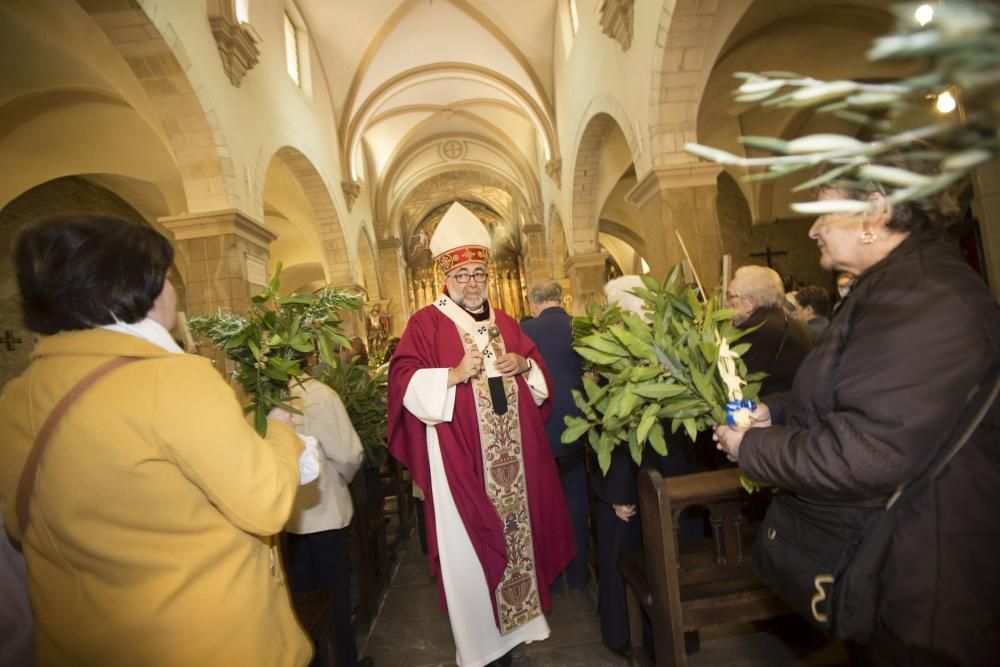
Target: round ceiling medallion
point(453, 150)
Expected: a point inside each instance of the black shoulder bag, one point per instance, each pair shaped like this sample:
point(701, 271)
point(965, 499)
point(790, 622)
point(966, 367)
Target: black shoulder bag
point(826, 563)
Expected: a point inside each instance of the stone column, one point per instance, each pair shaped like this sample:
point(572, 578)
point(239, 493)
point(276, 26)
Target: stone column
point(393, 270)
point(586, 279)
point(986, 208)
point(681, 198)
point(225, 254)
point(537, 260)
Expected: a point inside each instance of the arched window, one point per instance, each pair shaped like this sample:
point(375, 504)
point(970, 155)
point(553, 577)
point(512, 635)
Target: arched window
point(292, 50)
point(297, 48)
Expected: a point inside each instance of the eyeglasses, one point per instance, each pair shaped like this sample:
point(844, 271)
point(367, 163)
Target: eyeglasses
point(732, 296)
point(463, 278)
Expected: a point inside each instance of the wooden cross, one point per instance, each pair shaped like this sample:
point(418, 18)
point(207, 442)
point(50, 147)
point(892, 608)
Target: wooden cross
point(9, 340)
point(768, 254)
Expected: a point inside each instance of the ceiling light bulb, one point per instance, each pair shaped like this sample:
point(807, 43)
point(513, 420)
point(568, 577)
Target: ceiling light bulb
point(924, 14)
point(946, 102)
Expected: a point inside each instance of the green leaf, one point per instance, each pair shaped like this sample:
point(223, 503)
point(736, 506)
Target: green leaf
point(657, 439)
point(254, 349)
point(635, 448)
point(629, 400)
point(647, 421)
point(892, 175)
point(644, 373)
point(691, 428)
point(260, 421)
point(604, 453)
point(303, 299)
point(575, 428)
point(658, 391)
point(604, 344)
point(711, 154)
point(599, 358)
point(711, 352)
point(765, 143)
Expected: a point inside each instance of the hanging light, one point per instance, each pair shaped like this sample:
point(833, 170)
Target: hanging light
point(945, 102)
point(924, 14)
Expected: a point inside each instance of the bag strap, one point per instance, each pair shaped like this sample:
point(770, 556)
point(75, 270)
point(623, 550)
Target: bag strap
point(26, 484)
point(964, 429)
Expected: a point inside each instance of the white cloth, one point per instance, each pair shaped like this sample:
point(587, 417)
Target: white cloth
point(470, 606)
point(325, 503)
point(149, 330)
point(308, 460)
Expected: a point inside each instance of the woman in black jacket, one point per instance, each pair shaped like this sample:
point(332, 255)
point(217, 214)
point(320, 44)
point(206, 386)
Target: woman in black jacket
point(873, 405)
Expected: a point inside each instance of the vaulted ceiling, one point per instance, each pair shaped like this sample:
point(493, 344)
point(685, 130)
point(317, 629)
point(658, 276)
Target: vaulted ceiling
point(427, 88)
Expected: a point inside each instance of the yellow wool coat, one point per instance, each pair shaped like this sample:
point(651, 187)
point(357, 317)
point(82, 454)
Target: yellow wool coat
point(143, 546)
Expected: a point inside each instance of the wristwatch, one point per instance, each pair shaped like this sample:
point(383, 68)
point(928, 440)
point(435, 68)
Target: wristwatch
point(530, 365)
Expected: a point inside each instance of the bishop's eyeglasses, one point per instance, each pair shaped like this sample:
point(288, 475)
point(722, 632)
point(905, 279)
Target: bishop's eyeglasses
point(478, 276)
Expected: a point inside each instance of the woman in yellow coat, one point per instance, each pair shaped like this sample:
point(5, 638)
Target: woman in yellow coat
point(144, 536)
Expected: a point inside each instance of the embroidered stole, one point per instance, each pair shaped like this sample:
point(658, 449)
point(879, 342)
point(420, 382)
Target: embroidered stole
point(516, 596)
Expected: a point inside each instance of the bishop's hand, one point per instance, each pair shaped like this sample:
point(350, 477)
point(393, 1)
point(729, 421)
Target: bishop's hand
point(470, 367)
point(511, 363)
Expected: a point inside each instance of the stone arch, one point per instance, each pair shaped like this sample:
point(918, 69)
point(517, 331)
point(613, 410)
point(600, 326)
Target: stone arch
point(58, 196)
point(582, 235)
point(155, 54)
point(335, 251)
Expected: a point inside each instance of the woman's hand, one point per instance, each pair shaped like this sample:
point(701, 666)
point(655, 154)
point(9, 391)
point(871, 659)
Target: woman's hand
point(624, 512)
point(283, 416)
point(471, 366)
point(511, 363)
point(730, 438)
point(761, 416)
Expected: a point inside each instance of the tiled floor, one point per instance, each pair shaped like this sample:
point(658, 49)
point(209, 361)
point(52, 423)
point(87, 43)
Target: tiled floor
point(410, 632)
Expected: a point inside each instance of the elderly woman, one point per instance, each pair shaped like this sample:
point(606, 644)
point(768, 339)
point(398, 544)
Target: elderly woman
point(145, 523)
point(873, 405)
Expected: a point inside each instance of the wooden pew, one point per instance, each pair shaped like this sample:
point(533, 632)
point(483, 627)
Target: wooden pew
point(695, 583)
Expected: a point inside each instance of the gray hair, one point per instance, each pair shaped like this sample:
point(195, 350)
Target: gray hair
point(545, 292)
point(619, 291)
point(761, 283)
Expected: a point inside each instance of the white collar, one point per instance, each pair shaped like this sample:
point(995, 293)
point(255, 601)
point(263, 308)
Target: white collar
point(150, 331)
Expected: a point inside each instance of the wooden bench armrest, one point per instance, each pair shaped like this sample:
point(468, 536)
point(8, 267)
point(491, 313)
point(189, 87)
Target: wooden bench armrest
point(704, 487)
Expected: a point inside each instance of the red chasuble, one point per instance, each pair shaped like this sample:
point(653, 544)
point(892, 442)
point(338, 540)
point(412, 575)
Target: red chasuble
point(432, 340)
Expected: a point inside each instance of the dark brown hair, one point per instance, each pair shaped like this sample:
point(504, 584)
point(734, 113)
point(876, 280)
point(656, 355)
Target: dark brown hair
point(83, 271)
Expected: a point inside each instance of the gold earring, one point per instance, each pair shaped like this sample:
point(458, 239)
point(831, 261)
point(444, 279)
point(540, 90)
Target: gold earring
point(868, 237)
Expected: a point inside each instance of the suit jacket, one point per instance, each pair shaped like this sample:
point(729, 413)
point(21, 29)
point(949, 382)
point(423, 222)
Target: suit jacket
point(765, 343)
point(552, 332)
point(144, 546)
point(872, 406)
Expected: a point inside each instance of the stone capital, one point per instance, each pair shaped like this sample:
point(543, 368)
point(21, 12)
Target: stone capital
point(533, 229)
point(661, 179)
point(391, 243)
point(585, 261)
point(218, 223)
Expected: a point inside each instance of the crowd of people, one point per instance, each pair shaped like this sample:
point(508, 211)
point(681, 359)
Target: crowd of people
point(144, 503)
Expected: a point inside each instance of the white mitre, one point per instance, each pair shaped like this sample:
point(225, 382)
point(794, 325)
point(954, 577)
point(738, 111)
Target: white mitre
point(460, 238)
